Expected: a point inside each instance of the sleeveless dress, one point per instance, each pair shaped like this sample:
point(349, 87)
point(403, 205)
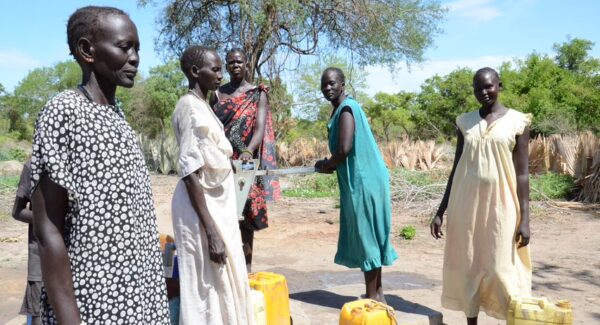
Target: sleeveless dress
point(482, 265)
point(365, 201)
point(111, 235)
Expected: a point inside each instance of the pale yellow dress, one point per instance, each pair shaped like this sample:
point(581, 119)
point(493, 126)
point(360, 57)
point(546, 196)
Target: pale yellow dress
point(210, 293)
point(482, 266)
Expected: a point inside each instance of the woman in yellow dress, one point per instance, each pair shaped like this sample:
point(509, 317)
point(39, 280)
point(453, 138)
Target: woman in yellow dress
point(486, 258)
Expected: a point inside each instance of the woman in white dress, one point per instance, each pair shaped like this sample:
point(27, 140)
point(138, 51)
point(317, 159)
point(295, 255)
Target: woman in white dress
point(213, 277)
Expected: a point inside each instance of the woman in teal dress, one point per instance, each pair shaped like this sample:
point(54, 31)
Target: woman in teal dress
point(364, 181)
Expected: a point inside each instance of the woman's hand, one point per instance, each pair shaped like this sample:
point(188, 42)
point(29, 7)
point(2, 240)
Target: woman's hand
point(216, 247)
point(321, 167)
point(523, 235)
point(233, 166)
point(436, 227)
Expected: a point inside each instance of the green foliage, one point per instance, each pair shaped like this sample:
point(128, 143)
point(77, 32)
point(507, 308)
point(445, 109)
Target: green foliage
point(408, 232)
point(150, 103)
point(307, 129)
point(13, 154)
point(573, 55)
point(390, 115)
point(280, 102)
point(561, 100)
point(550, 186)
point(311, 103)
point(269, 31)
point(9, 184)
point(562, 93)
point(441, 100)
point(164, 85)
point(314, 186)
point(32, 93)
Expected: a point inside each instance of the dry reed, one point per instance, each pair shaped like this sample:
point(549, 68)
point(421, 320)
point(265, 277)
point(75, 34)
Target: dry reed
point(573, 155)
point(303, 152)
point(590, 186)
point(412, 155)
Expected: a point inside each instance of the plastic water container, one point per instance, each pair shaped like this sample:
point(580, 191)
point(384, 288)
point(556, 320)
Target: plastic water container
point(530, 311)
point(367, 312)
point(277, 298)
point(258, 305)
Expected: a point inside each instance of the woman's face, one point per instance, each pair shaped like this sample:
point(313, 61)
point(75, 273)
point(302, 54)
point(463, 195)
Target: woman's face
point(331, 85)
point(211, 74)
point(486, 87)
point(115, 50)
point(236, 65)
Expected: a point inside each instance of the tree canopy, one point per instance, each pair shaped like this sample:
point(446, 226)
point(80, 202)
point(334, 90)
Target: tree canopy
point(563, 97)
point(374, 32)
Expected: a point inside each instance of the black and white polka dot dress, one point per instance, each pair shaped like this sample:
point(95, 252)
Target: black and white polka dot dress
point(111, 234)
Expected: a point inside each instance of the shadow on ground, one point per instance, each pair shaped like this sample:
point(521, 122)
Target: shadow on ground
point(322, 298)
point(544, 272)
point(333, 300)
point(318, 280)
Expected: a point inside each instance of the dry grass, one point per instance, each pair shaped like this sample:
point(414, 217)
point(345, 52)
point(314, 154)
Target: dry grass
point(303, 152)
point(573, 155)
point(412, 155)
point(590, 186)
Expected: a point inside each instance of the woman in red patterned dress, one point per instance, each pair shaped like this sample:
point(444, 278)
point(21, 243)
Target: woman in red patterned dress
point(243, 109)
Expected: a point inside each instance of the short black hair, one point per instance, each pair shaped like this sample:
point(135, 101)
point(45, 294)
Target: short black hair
point(486, 70)
point(193, 55)
point(84, 22)
point(337, 71)
point(236, 50)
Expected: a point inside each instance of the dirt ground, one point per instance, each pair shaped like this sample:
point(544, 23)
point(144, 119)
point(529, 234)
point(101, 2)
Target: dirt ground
point(301, 242)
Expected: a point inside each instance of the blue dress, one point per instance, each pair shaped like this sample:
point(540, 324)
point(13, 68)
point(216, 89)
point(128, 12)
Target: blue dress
point(365, 202)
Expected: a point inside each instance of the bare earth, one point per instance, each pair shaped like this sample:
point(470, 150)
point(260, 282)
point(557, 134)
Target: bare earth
point(301, 242)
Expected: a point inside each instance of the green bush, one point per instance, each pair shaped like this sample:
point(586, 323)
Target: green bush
point(8, 184)
point(314, 186)
point(408, 232)
point(13, 154)
point(550, 186)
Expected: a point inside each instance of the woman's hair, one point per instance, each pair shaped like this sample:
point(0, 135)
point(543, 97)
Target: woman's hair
point(84, 22)
point(486, 70)
point(236, 50)
point(193, 55)
point(337, 71)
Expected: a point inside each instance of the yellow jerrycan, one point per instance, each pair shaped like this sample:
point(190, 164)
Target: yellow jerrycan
point(277, 298)
point(538, 311)
point(367, 312)
point(258, 305)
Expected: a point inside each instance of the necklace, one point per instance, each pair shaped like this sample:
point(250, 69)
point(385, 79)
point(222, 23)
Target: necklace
point(85, 92)
point(196, 95)
point(117, 107)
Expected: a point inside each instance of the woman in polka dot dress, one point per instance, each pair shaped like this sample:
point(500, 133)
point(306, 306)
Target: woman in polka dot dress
point(92, 201)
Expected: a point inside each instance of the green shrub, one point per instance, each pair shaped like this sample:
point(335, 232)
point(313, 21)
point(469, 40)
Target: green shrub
point(13, 154)
point(408, 232)
point(550, 186)
point(314, 186)
point(8, 184)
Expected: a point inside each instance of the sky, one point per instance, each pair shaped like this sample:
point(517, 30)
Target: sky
point(476, 33)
